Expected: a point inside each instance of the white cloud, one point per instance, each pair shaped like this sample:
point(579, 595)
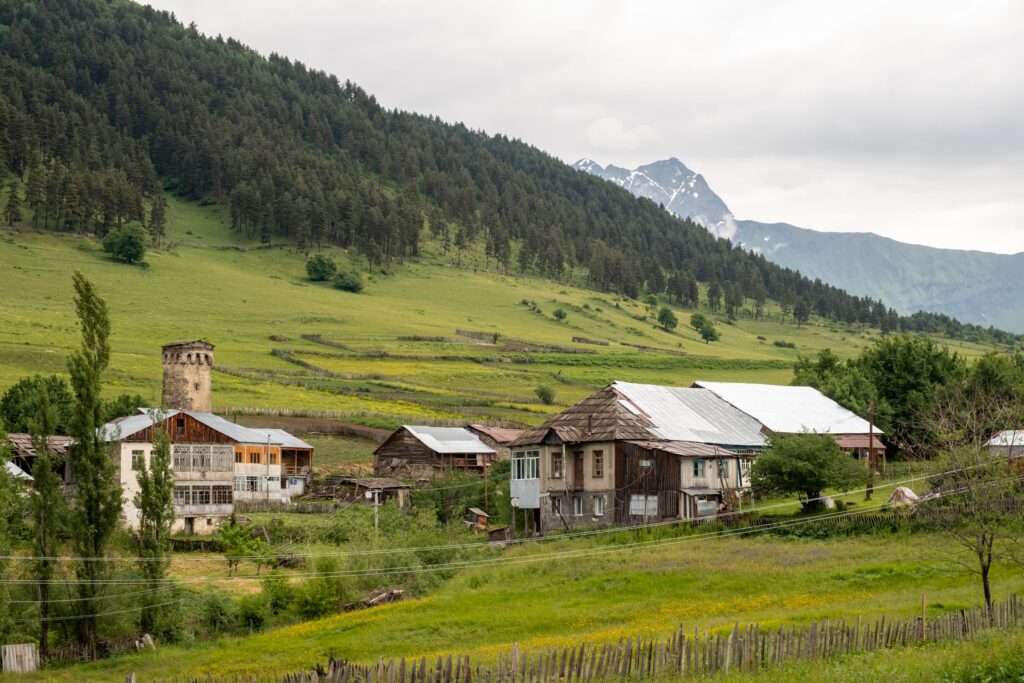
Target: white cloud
point(608, 134)
point(824, 114)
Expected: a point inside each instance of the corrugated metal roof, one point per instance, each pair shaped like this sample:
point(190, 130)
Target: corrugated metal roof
point(449, 439)
point(17, 472)
point(22, 444)
point(789, 410)
point(123, 427)
point(280, 436)
point(501, 435)
point(1008, 437)
point(686, 414)
point(690, 449)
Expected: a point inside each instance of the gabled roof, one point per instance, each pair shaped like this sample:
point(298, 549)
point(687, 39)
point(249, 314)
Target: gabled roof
point(124, 427)
point(603, 416)
point(280, 436)
point(449, 439)
point(789, 410)
point(686, 414)
point(502, 435)
point(1008, 437)
point(22, 444)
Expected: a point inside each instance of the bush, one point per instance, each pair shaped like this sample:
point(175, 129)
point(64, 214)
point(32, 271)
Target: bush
point(546, 394)
point(320, 268)
point(277, 593)
point(667, 319)
point(784, 344)
point(806, 465)
point(253, 612)
point(325, 592)
point(216, 612)
point(126, 244)
point(349, 282)
point(559, 314)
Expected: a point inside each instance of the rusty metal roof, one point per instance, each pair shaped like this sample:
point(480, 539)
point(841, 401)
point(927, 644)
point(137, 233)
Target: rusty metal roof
point(502, 435)
point(22, 444)
point(691, 449)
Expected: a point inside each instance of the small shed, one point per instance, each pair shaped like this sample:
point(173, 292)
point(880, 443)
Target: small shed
point(478, 519)
point(23, 453)
point(355, 488)
point(416, 452)
point(1008, 443)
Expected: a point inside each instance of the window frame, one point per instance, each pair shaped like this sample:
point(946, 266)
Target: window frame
point(597, 466)
point(699, 468)
point(599, 506)
point(557, 465)
point(556, 505)
point(138, 460)
point(577, 506)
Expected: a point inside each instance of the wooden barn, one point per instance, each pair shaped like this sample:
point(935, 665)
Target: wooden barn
point(416, 452)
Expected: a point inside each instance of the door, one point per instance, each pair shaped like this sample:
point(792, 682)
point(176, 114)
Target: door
point(577, 470)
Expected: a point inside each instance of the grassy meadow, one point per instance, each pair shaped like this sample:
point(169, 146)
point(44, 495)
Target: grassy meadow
point(607, 591)
point(389, 355)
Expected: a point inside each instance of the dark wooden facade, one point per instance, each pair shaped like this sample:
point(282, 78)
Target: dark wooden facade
point(182, 428)
point(403, 455)
point(642, 471)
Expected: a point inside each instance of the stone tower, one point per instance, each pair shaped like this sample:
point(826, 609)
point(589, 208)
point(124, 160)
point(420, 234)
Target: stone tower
point(187, 375)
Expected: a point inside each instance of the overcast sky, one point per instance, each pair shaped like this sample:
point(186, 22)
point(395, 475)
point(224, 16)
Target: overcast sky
point(900, 118)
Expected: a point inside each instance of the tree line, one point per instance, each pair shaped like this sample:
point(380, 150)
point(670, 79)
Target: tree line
point(99, 100)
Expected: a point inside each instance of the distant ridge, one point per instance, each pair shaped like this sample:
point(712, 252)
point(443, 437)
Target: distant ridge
point(972, 286)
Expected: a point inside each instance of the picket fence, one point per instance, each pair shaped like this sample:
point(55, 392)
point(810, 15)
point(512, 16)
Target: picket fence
point(682, 654)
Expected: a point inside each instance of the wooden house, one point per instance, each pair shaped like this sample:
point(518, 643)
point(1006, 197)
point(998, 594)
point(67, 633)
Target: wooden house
point(215, 462)
point(621, 456)
point(415, 452)
point(23, 453)
point(497, 438)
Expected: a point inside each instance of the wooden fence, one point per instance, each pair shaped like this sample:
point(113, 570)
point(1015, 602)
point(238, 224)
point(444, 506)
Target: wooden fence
point(682, 654)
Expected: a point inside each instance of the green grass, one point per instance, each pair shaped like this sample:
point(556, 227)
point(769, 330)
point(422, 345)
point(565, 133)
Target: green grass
point(990, 658)
point(207, 282)
point(698, 583)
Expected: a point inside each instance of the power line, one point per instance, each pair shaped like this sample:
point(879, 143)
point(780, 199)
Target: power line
point(583, 552)
point(481, 544)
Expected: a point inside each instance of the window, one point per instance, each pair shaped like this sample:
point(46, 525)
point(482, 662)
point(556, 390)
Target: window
point(273, 457)
point(525, 465)
point(556, 505)
point(181, 495)
point(723, 469)
point(222, 495)
point(556, 465)
point(138, 460)
point(200, 495)
point(254, 457)
point(577, 506)
point(238, 455)
point(179, 427)
point(643, 506)
point(598, 463)
point(698, 467)
point(599, 506)
point(252, 483)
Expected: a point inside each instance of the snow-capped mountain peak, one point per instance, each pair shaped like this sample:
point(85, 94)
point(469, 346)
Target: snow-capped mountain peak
point(670, 183)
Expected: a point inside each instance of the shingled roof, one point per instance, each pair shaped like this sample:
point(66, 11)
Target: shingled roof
point(599, 417)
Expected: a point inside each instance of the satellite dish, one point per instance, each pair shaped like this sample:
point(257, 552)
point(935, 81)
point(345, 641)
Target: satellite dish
point(515, 501)
point(369, 495)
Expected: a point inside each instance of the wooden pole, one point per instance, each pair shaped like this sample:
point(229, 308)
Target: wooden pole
point(924, 618)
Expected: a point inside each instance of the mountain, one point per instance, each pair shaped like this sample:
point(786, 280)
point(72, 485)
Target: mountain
point(973, 286)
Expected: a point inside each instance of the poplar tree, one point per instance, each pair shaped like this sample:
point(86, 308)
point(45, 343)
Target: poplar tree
point(97, 502)
point(49, 510)
point(155, 502)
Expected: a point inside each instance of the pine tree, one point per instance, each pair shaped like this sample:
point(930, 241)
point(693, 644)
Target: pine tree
point(12, 210)
point(158, 219)
point(97, 503)
point(49, 510)
point(35, 192)
point(801, 311)
point(155, 502)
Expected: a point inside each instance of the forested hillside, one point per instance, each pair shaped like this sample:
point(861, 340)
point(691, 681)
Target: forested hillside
point(102, 104)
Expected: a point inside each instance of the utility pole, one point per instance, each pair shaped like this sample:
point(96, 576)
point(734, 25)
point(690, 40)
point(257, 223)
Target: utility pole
point(872, 465)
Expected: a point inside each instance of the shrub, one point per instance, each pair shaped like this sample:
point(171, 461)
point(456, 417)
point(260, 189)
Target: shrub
point(546, 394)
point(325, 592)
point(126, 244)
point(320, 267)
point(784, 344)
point(667, 319)
point(806, 465)
point(253, 612)
point(349, 282)
point(560, 314)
